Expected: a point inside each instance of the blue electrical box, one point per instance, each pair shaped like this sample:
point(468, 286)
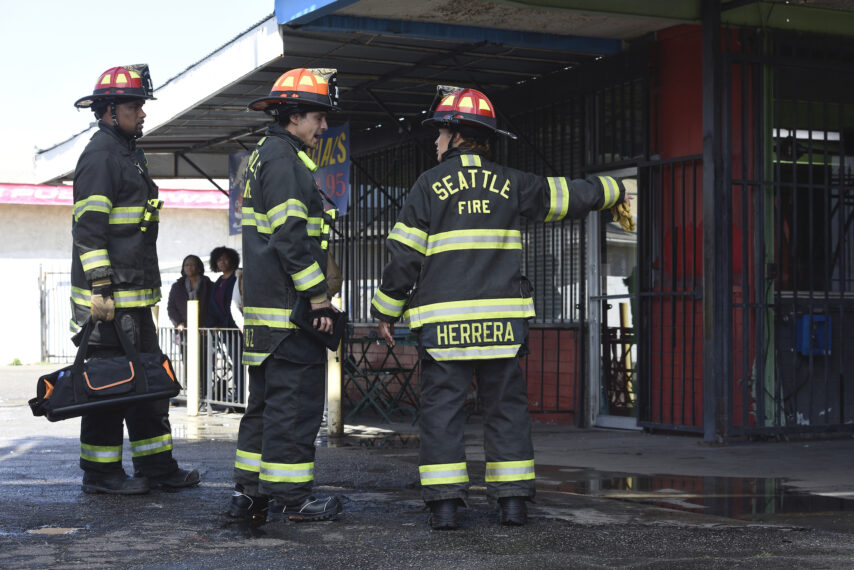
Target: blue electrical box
point(814, 337)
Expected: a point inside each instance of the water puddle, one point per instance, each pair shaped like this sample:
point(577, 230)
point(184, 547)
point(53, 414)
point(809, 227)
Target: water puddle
point(742, 498)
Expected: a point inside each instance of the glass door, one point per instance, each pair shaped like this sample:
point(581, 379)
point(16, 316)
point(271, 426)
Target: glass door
point(613, 305)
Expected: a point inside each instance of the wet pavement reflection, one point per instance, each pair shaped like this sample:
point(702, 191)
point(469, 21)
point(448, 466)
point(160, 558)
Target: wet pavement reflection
point(741, 498)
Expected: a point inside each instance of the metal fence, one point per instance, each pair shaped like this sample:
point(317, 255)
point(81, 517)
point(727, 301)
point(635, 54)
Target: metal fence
point(222, 376)
point(789, 172)
point(671, 317)
point(784, 255)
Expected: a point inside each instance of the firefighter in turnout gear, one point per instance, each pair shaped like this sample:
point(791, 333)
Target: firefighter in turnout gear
point(454, 274)
point(114, 275)
point(285, 233)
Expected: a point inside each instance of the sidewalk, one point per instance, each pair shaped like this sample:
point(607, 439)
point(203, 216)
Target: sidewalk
point(605, 498)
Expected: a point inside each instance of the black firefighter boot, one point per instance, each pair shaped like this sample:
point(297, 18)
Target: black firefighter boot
point(247, 507)
point(513, 511)
point(178, 479)
point(117, 483)
point(443, 514)
point(311, 509)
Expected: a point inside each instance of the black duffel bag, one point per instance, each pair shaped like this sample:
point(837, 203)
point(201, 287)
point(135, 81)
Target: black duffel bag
point(98, 384)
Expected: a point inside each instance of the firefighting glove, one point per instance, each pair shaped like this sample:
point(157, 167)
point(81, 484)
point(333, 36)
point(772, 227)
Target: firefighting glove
point(102, 304)
point(623, 215)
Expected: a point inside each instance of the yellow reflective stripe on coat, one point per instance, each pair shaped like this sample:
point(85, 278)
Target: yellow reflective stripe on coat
point(474, 239)
point(248, 461)
point(468, 310)
point(250, 217)
point(95, 258)
point(611, 189)
point(278, 215)
point(152, 445)
point(315, 226)
point(443, 474)
point(475, 352)
point(286, 472)
point(413, 237)
point(306, 160)
point(101, 453)
point(136, 298)
point(308, 277)
point(470, 160)
point(268, 317)
point(509, 471)
point(254, 358)
point(94, 203)
point(126, 215)
point(80, 296)
point(558, 198)
point(388, 305)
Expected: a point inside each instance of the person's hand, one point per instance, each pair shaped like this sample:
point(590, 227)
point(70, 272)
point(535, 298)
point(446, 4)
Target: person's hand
point(102, 306)
point(386, 331)
point(323, 324)
point(180, 326)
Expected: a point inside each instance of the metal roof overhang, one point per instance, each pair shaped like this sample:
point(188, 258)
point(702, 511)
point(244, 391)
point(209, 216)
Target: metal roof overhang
point(389, 65)
point(388, 72)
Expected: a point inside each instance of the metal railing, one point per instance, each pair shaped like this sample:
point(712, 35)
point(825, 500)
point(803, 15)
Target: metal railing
point(222, 377)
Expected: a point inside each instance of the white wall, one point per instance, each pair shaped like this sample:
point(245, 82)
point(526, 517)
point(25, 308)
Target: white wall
point(40, 236)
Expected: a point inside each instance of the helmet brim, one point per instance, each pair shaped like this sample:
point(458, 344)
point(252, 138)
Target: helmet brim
point(471, 122)
point(265, 103)
point(89, 100)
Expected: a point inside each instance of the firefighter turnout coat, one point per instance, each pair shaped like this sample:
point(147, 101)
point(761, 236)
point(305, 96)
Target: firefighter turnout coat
point(456, 252)
point(285, 232)
point(114, 228)
point(455, 275)
point(114, 231)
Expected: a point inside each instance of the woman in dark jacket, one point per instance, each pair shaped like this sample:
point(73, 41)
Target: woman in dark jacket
point(225, 260)
point(192, 285)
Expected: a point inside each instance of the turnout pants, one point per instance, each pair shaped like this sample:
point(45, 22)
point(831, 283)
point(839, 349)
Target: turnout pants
point(507, 428)
point(275, 444)
point(150, 434)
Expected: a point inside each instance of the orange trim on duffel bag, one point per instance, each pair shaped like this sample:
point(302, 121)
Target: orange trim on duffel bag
point(48, 390)
point(169, 370)
point(125, 381)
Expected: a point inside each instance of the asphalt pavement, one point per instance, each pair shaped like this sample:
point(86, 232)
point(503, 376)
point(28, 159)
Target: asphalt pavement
point(605, 499)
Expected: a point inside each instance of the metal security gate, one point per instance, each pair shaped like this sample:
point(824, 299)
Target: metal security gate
point(791, 182)
point(570, 125)
point(670, 279)
point(55, 310)
point(783, 223)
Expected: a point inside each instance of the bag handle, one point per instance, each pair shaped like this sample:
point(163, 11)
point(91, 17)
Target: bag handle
point(128, 348)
